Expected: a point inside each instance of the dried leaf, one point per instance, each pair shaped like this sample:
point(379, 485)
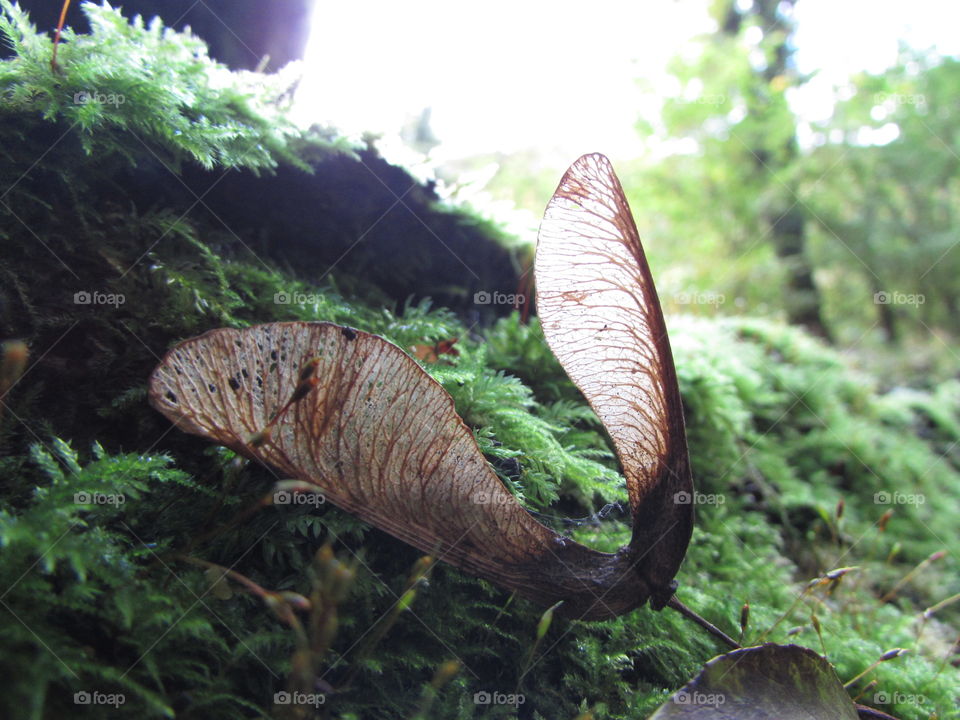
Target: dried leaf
point(770, 682)
point(432, 353)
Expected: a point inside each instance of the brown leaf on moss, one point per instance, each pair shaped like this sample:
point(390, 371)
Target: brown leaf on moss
point(770, 682)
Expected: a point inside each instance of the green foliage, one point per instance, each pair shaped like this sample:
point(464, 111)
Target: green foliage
point(781, 430)
point(87, 603)
point(129, 86)
point(883, 188)
point(741, 383)
point(553, 442)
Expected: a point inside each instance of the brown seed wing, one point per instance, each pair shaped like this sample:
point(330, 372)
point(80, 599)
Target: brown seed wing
point(382, 440)
point(602, 319)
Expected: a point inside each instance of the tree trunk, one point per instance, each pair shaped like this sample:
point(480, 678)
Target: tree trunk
point(801, 297)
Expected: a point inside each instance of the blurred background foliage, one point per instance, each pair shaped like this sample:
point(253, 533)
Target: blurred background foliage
point(845, 227)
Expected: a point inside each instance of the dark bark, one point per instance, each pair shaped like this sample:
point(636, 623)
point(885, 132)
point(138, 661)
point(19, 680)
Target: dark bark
point(888, 319)
point(801, 295)
point(240, 33)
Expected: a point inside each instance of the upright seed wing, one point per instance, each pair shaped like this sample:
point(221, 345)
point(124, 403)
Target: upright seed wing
point(602, 319)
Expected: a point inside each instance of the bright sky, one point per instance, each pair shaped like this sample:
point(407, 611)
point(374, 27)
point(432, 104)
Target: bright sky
point(506, 75)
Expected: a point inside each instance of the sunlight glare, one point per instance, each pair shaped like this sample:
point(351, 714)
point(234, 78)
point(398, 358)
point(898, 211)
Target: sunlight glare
point(502, 77)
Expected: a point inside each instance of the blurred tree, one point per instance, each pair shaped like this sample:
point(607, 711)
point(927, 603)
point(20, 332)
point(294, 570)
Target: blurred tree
point(733, 104)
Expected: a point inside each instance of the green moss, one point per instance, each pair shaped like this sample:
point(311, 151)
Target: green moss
point(127, 86)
